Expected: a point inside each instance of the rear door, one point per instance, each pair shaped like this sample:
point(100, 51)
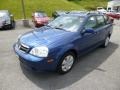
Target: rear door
point(109, 24)
point(102, 27)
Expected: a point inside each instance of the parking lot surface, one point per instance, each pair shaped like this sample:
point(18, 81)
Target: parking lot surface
point(98, 70)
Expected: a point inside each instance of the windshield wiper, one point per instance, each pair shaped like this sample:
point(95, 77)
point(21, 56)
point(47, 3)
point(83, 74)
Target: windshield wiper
point(60, 28)
point(47, 25)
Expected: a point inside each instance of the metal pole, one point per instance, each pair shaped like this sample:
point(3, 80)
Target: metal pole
point(25, 21)
point(23, 9)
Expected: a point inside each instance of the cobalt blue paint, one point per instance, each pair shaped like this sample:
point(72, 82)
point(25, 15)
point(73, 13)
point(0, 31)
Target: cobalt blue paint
point(61, 40)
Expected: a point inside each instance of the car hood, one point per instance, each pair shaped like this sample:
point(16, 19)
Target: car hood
point(45, 36)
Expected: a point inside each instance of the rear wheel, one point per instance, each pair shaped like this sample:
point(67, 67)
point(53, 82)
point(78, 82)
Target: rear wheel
point(66, 63)
point(106, 42)
point(12, 25)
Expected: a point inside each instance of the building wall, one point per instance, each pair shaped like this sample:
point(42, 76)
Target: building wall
point(114, 5)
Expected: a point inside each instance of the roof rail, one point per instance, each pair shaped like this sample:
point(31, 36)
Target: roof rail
point(94, 12)
point(77, 12)
point(85, 12)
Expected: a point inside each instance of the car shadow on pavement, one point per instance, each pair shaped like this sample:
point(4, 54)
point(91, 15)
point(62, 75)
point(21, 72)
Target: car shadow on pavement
point(83, 67)
point(2, 29)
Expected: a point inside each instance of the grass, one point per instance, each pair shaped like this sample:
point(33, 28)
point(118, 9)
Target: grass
point(91, 4)
point(48, 6)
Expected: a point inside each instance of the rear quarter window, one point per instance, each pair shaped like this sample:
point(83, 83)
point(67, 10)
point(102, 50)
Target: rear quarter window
point(107, 19)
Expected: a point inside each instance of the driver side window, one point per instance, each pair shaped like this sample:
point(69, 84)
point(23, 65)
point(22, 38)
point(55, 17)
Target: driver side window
point(91, 23)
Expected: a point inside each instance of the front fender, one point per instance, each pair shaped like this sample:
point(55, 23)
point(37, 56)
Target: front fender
point(63, 50)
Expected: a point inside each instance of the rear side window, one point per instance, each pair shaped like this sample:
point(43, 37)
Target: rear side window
point(91, 23)
point(101, 21)
point(106, 18)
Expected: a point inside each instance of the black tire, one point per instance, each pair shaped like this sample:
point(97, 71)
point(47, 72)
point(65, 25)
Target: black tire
point(59, 68)
point(106, 42)
point(12, 25)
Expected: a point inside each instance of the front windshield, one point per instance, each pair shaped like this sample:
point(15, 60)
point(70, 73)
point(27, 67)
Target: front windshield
point(67, 23)
point(2, 14)
point(40, 14)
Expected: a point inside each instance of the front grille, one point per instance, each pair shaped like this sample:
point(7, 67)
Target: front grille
point(23, 48)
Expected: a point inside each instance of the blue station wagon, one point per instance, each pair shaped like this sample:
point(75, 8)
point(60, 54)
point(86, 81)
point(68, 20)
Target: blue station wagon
point(57, 45)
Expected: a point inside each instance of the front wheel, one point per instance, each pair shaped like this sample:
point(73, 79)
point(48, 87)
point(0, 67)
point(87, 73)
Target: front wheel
point(66, 63)
point(11, 25)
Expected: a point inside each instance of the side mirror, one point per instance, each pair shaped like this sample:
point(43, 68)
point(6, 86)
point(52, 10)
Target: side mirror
point(90, 30)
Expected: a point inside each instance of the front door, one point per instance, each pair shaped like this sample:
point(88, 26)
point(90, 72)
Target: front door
point(88, 40)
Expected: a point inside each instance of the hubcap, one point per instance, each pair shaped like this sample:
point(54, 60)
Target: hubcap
point(107, 41)
point(67, 63)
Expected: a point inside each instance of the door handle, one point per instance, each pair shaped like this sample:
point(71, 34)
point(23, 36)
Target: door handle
point(96, 32)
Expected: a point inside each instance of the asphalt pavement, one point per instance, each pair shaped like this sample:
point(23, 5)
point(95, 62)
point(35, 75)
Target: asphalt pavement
point(98, 70)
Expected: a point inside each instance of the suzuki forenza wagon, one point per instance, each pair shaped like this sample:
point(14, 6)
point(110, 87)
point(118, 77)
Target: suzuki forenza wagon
point(56, 46)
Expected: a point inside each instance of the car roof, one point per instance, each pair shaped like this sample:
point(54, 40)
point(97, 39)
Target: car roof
point(3, 13)
point(84, 13)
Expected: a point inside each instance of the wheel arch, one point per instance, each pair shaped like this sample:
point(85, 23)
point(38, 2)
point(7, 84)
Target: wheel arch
point(109, 35)
point(73, 52)
point(67, 49)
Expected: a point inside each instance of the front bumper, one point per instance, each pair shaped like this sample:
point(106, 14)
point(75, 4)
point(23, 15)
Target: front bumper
point(39, 24)
point(34, 63)
point(2, 24)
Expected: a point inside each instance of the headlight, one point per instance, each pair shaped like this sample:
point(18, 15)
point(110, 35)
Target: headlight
point(7, 21)
point(40, 51)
